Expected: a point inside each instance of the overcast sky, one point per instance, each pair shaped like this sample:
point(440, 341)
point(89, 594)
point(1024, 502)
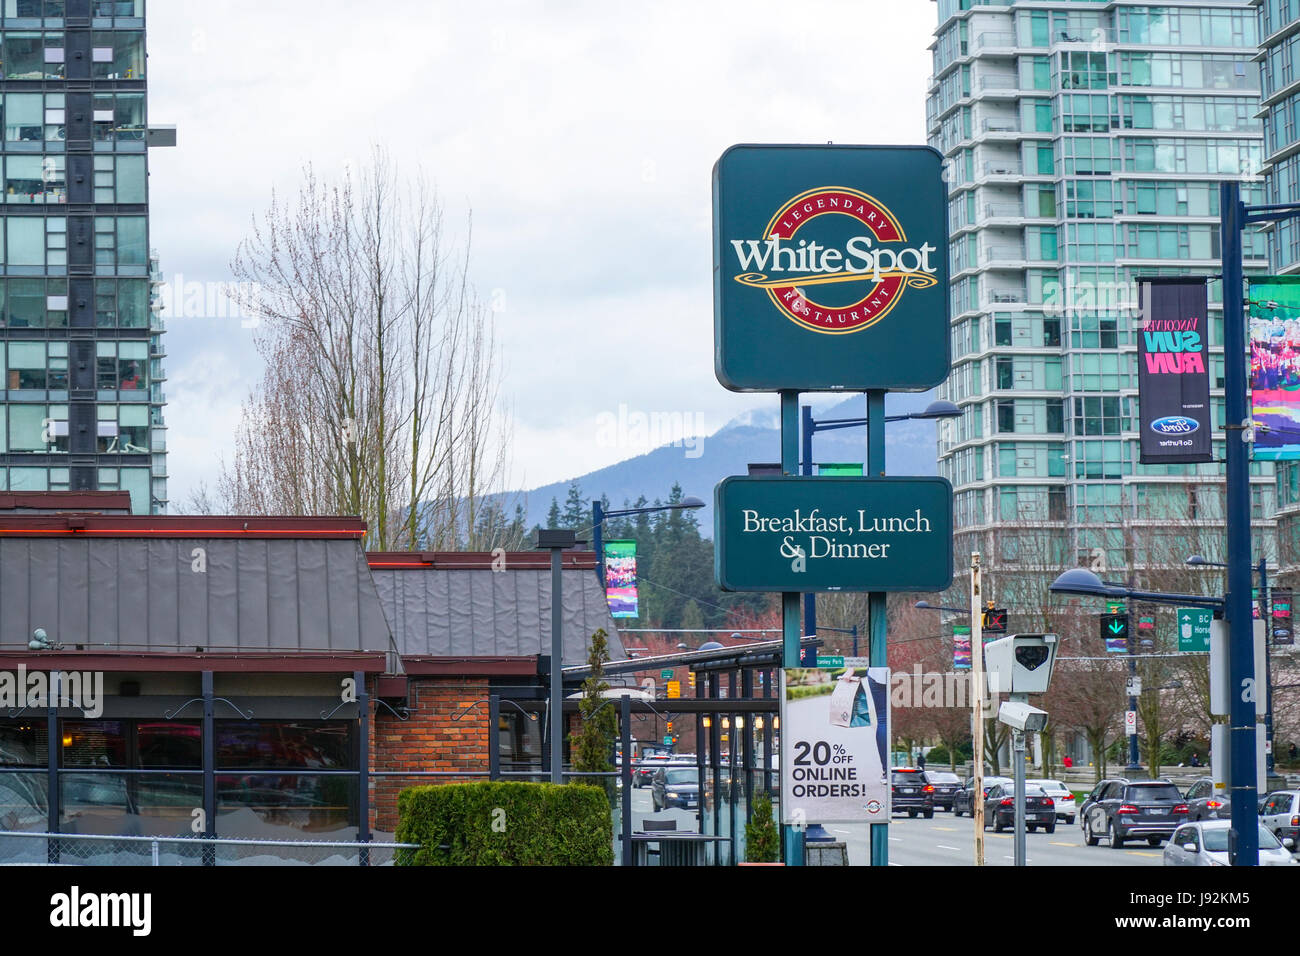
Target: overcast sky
point(581, 134)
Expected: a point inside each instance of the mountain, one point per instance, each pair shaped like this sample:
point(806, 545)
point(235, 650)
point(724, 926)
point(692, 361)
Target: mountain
point(699, 464)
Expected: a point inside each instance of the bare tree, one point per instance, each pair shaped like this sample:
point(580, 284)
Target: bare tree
point(381, 392)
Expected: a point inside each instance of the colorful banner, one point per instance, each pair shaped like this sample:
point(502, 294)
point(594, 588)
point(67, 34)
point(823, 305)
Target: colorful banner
point(961, 647)
point(1283, 628)
point(620, 578)
point(1173, 378)
point(1274, 316)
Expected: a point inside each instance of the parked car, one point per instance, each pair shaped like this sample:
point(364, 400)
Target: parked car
point(911, 792)
point(1000, 808)
point(946, 784)
point(1205, 843)
point(962, 801)
point(1205, 803)
point(1061, 795)
point(1281, 815)
point(1124, 810)
point(676, 787)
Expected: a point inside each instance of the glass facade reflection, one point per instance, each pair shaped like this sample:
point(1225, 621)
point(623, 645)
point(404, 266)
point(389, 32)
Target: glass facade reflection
point(1085, 142)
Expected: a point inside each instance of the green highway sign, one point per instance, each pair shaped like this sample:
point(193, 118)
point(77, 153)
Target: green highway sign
point(1194, 628)
point(666, 674)
point(830, 268)
point(833, 534)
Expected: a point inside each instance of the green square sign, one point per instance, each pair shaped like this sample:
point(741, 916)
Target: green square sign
point(830, 268)
point(1194, 629)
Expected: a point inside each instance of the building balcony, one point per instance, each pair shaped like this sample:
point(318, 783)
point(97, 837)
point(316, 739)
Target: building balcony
point(993, 42)
point(1003, 168)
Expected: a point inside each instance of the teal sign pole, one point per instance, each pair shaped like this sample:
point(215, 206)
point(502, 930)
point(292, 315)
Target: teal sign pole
point(830, 272)
point(876, 599)
point(791, 837)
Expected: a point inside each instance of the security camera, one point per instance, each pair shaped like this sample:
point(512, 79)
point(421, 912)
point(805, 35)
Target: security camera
point(1023, 717)
point(1020, 663)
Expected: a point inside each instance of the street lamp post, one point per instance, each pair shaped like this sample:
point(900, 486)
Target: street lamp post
point(599, 514)
point(933, 412)
point(1262, 570)
point(1234, 217)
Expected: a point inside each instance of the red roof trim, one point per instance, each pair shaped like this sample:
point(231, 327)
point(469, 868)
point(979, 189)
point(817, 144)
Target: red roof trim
point(481, 560)
point(180, 526)
point(447, 666)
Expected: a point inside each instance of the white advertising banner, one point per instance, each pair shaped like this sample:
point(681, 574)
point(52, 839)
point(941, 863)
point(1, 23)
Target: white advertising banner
point(834, 745)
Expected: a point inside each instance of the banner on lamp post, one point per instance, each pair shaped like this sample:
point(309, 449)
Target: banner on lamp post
point(1283, 628)
point(620, 578)
point(1273, 308)
point(1173, 379)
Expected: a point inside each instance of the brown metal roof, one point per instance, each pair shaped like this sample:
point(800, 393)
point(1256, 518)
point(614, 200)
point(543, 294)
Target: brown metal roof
point(177, 526)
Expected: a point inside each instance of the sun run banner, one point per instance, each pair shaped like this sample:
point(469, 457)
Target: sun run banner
point(1173, 378)
point(1274, 315)
point(620, 578)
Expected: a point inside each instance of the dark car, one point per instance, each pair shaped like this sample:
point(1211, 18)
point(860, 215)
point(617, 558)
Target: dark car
point(946, 784)
point(1204, 803)
point(1125, 810)
point(676, 787)
point(962, 799)
point(1000, 808)
point(911, 792)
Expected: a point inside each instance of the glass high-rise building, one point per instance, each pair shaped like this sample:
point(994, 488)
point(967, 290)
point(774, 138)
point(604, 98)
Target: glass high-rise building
point(1279, 56)
point(1085, 145)
point(80, 334)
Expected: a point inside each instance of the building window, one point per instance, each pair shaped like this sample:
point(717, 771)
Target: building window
point(121, 366)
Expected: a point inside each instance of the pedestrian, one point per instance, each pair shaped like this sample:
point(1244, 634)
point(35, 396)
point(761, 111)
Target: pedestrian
point(1068, 761)
point(1196, 760)
point(920, 761)
point(1291, 752)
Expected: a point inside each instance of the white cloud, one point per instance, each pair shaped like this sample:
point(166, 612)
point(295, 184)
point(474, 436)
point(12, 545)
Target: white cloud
point(583, 136)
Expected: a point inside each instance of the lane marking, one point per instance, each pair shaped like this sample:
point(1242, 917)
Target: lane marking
point(943, 847)
point(896, 839)
point(1054, 843)
point(1142, 853)
point(948, 829)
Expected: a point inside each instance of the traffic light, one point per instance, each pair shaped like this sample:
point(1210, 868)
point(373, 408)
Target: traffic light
point(995, 620)
point(1114, 628)
point(692, 680)
point(670, 726)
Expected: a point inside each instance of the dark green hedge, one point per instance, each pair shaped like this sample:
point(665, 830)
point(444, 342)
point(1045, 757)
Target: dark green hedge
point(505, 824)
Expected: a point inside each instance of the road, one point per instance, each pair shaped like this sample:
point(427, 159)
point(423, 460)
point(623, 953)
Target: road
point(947, 841)
point(950, 841)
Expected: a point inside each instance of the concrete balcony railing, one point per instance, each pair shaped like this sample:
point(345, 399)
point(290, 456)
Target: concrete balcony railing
point(1001, 210)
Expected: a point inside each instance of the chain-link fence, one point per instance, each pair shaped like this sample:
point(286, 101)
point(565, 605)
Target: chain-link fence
point(66, 849)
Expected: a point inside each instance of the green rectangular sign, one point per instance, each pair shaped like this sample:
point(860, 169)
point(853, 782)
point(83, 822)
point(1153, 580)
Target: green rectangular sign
point(833, 534)
point(836, 469)
point(830, 662)
point(1194, 629)
point(830, 268)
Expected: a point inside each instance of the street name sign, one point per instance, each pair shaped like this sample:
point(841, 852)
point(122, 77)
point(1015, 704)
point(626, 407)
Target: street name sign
point(830, 268)
point(832, 534)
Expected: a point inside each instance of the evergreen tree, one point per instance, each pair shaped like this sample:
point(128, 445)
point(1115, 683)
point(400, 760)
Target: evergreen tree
point(576, 511)
point(592, 743)
point(553, 516)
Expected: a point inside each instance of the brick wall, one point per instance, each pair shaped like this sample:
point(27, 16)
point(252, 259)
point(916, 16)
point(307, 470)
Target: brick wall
point(429, 740)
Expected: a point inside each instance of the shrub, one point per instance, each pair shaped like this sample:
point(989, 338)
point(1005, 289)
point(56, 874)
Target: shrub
point(505, 824)
point(761, 839)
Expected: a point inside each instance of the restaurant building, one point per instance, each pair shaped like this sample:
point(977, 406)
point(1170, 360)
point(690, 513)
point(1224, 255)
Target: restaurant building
point(259, 678)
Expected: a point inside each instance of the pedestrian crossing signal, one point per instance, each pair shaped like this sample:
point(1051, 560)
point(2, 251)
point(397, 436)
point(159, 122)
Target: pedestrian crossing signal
point(995, 620)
